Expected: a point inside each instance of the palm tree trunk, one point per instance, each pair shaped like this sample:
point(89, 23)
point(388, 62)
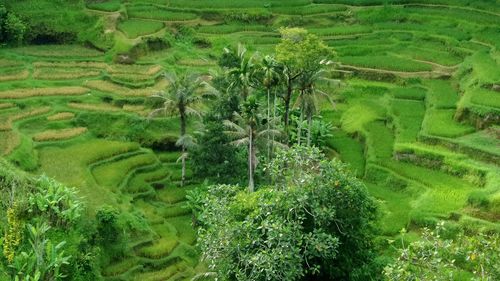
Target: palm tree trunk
point(309, 125)
point(250, 162)
point(268, 122)
point(274, 118)
point(299, 130)
point(183, 173)
point(183, 132)
point(288, 98)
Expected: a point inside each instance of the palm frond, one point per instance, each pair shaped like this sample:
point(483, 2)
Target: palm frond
point(158, 112)
point(192, 111)
point(234, 127)
point(239, 142)
point(204, 276)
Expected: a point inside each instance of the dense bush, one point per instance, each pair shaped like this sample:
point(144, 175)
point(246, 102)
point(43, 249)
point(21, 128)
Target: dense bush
point(314, 223)
point(214, 158)
point(43, 236)
point(464, 257)
point(12, 28)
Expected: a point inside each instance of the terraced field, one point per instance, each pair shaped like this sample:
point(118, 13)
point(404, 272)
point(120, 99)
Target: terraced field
point(417, 115)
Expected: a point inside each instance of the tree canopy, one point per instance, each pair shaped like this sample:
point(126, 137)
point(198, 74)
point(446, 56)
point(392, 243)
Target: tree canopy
point(314, 222)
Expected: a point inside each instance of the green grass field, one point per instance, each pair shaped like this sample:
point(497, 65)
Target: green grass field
point(416, 114)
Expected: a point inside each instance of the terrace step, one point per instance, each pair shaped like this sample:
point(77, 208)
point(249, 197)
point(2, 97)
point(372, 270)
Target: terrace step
point(115, 158)
point(460, 145)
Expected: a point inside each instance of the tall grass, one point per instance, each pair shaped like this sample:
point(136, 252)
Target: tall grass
point(43, 92)
point(53, 135)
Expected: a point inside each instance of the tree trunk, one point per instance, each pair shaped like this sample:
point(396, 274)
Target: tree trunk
point(183, 173)
point(309, 125)
point(268, 123)
point(288, 98)
point(274, 118)
point(299, 128)
point(250, 162)
point(183, 132)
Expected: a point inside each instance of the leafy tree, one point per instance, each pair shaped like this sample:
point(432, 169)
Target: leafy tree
point(313, 223)
point(181, 97)
point(300, 53)
point(12, 28)
point(213, 158)
point(249, 129)
point(465, 257)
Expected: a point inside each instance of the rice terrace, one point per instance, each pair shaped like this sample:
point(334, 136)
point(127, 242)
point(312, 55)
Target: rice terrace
point(169, 140)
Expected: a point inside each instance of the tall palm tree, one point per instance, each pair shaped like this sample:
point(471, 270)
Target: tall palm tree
point(241, 77)
point(181, 97)
point(308, 97)
point(290, 75)
point(248, 129)
point(269, 77)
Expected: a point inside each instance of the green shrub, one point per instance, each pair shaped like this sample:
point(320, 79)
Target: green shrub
point(479, 199)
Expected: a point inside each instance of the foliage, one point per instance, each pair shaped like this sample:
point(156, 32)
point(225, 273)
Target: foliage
point(44, 230)
point(58, 203)
point(44, 261)
point(12, 28)
point(314, 222)
point(107, 225)
point(213, 157)
point(434, 257)
point(13, 235)
point(250, 129)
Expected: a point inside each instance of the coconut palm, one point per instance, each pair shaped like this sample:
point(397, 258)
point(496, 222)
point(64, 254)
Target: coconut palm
point(241, 77)
point(308, 98)
point(181, 97)
point(248, 129)
point(268, 70)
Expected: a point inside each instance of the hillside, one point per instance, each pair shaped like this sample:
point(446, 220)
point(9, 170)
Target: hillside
point(416, 114)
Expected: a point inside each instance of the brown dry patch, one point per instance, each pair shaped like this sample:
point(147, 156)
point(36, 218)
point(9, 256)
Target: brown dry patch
point(53, 135)
point(9, 140)
point(21, 75)
point(6, 124)
point(6, 105)
point(43, 92)
point(61, 116)
point(110, 87)
point(94, 106)
point(64, 74)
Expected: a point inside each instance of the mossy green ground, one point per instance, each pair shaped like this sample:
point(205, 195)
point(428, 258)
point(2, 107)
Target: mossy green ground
point(418, 82)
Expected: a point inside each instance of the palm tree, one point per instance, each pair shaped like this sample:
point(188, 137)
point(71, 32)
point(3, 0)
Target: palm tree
point(249, 130)
point(269, 71)
point(308, 97)
point(289, 77)
point(181, 97)
point(240, 77)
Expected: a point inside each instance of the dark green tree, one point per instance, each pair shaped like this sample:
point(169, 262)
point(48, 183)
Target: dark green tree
point(313, 223)
point(214, 158)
